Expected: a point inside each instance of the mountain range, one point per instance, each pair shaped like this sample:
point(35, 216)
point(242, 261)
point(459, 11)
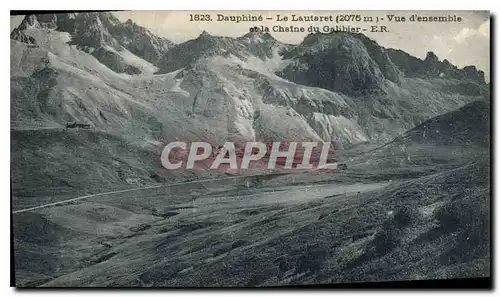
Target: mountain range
point(94, 207)
point(90, 67)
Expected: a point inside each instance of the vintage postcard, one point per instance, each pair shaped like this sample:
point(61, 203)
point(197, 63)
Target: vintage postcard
point(249, 148)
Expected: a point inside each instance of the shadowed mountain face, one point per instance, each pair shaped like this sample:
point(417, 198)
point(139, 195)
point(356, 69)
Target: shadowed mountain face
point(469, 125)
point(354, 64)
point(340, 62)
point(441, 143)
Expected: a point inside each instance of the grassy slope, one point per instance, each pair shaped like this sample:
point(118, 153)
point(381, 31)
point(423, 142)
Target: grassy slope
point(434, 226)
point(48, 163)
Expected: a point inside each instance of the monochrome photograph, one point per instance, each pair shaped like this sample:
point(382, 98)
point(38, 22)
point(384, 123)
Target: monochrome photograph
point(242, 149)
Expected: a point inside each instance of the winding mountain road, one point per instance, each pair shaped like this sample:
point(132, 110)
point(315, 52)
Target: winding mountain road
point(117, 192)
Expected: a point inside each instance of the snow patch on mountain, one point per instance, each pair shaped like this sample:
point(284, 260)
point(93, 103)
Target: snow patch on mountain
point(337, 127)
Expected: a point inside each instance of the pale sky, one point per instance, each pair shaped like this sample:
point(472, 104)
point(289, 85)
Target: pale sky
point(464, 43)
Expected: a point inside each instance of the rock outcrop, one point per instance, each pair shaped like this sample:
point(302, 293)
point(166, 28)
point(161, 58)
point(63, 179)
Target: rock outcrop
point(431, 66)
point(102, 35)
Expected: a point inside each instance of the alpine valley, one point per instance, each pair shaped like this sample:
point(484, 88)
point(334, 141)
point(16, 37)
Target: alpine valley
point(412, 202)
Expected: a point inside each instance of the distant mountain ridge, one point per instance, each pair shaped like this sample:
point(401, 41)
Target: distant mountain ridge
point(431, 66)
point(356, 65)
point(330, 86)
point(258, 44)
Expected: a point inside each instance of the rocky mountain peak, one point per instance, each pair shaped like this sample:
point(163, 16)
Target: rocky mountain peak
point(141, 41)
point(96, 33)
point(257, 37)
point(129, 24)
point(39, 21)
point(447, 63)
point(204, 34)
point(258, 44)
point(90, 30)
point(431, 57)
point(343, 62)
